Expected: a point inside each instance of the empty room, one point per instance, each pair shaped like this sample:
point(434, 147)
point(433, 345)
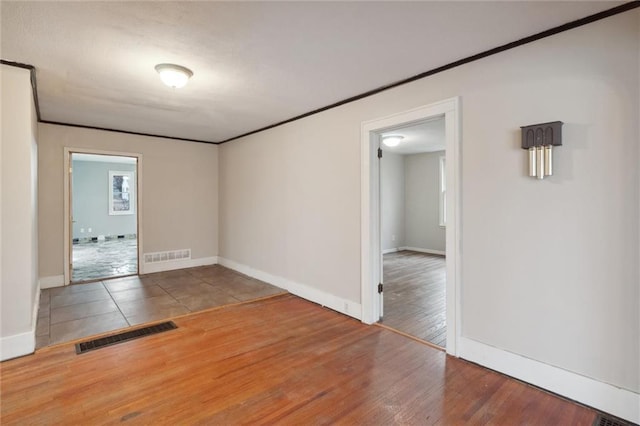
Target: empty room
point(320, 212)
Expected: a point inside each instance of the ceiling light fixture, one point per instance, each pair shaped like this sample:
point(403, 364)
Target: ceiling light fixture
point(173, 75)
point(392, 141)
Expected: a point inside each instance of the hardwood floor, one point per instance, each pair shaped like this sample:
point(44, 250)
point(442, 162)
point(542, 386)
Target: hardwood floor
point(414, 295)
point(281, 360)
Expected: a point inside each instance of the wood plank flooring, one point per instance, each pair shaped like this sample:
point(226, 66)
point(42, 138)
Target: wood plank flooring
point(414, 295)
point(281, 360)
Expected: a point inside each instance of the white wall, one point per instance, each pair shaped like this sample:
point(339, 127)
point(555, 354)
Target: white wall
point(392, 200)
point(91, 200)
point(409, 190)
point(19, 292)
point(549, 269)
point(422, 195)
point(179, 192)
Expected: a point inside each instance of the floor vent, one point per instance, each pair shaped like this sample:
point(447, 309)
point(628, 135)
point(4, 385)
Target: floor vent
point(124, 337)
point(167, 256)
point(604, 420)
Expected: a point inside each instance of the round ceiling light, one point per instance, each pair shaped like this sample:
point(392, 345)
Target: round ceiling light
point(392, 141)
point(173, 75)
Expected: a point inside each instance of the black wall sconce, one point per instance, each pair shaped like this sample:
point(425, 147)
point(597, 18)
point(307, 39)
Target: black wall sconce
point(539, 140)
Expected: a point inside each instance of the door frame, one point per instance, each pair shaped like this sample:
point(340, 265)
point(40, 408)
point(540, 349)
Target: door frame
point(67, 203)
point(371, 250)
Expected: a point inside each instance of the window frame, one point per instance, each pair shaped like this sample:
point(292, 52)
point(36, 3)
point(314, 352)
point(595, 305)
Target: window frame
point(132, 193)
point(442, 191)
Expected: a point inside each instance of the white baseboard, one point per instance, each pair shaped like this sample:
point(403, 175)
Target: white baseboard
point(320, 297)
point(146, 268)
point(391, 250)
point(17, 345)
point(610, 399)
point(51, 282)
point(35, 309)
point(170, 265)
point(421, 250)
point(22, 343)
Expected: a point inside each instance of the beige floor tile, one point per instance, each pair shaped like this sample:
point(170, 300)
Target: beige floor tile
point(157, 313)
point(82, 310)
point(194, 289)
point(42, 341)
point(198, 303)
point(85, 327)
point(210, 272)
point(171, 282)
point(218, 279)
point(138, 293)
point(227, 285)
point(45, 297)
point(178, 273)
point(198, 270)
point(82, 297)
point(129, 283)
point(75, 288)
point(133, 307)
point(257, 293)
point(247, 286)
point(42, 326)
point(44, 311)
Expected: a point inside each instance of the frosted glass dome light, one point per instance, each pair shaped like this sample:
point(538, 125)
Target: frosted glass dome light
point(173, 75)
point(392, 141)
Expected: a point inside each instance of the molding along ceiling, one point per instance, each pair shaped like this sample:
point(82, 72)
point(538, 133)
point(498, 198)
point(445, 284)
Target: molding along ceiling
point(254, 63)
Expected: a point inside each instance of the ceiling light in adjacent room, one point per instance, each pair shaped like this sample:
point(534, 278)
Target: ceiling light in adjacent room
point(392, 141)
point(174, 75)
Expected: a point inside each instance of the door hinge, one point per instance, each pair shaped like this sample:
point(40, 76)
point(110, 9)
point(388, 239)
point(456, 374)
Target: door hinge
point(379, 152)
point(380, 288)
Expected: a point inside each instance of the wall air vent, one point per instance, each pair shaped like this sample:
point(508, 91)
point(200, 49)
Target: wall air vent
point(124, 337)
point(167, 256)
point(606, 420)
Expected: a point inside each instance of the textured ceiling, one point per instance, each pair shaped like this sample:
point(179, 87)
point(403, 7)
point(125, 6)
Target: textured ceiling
point(254, 63)
point(428, 136)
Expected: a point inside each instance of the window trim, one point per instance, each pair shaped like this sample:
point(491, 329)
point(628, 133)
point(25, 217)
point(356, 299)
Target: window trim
point(442, 191)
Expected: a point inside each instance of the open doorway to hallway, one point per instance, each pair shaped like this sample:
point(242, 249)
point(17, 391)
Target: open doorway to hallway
point(413, 233)
point(104, 216)
point(372, 279)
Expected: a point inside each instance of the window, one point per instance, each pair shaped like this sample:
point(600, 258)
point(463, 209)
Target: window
point(443, 191)
point(121, 193)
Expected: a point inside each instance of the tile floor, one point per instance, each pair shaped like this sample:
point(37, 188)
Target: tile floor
point(104, 259)
point(81, 310)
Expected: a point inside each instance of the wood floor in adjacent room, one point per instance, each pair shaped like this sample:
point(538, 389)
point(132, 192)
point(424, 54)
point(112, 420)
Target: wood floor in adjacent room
point(281, 360)
point(414, 295)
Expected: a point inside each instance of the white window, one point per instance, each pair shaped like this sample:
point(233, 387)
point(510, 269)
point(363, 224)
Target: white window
point(121, 193)
point(443, 191)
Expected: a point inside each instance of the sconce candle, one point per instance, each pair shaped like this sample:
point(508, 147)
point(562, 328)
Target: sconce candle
point(540, 161)
point(532, 162)
point(539, 140)
point(548, 160)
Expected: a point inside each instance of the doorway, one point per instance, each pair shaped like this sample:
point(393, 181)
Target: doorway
point(103, 237)
point(372, 261)
point(413, 229)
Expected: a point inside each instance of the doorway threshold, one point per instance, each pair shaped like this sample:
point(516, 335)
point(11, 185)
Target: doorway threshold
point(417, 339)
